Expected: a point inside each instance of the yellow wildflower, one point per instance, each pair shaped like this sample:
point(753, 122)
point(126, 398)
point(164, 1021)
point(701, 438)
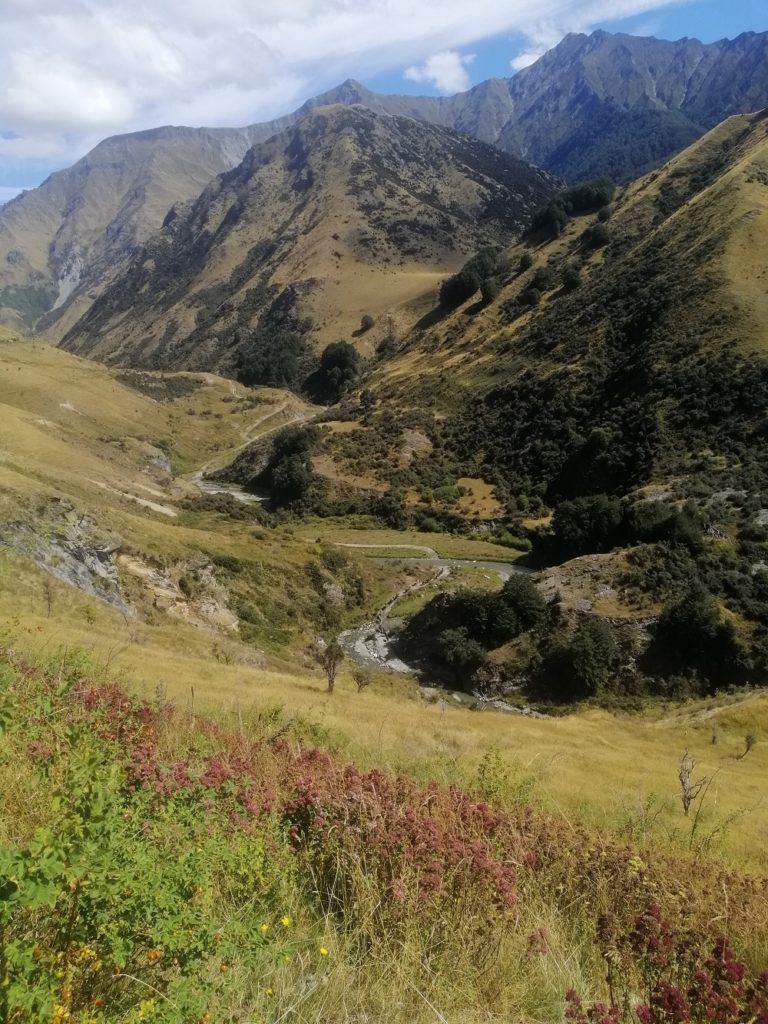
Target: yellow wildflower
point(285, 921)
point(323, 951)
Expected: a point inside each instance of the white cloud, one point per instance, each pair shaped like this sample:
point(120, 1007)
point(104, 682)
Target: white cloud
point(447, 71)
point(76, 71)
point(556, 20)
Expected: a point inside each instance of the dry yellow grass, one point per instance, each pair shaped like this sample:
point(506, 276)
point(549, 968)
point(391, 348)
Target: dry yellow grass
point(615, 771)
point(594, 766)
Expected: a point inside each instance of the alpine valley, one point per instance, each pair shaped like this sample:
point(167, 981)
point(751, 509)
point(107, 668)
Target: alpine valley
point(384, 558)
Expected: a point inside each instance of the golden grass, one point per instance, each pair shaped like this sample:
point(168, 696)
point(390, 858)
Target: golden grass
point(593, 766)
point(395, 543)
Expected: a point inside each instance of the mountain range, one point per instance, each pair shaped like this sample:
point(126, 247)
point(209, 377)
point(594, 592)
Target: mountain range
point(597, 104)
point(333, 219)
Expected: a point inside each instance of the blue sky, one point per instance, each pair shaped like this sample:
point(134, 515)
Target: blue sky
point(76, 73)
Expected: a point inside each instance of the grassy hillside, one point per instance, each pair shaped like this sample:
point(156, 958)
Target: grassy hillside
point(161, 866)
point(610, 380)
point(217, 609)
point(338, 217)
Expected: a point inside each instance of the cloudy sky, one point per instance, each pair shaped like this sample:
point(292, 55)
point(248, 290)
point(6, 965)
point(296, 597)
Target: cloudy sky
point(75, 71)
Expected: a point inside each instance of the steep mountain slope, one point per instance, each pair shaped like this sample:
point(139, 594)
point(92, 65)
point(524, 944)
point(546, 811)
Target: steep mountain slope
point(599, 103)
point(603, 103)
point(665, 305)
point(620, 104)
point(348, 213)
point(613, 386)
point(69, 234)
point(613, 104)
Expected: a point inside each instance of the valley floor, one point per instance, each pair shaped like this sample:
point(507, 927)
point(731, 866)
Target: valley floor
point(128, 464)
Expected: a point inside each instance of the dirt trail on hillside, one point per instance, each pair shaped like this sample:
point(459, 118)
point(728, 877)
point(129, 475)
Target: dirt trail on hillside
point(370, 645)
point(237, 492)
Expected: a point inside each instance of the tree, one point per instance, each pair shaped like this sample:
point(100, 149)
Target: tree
point(571, 278)
point(288, 473)
point(692, 634)
point(526, 262)
point(456, 290)
point(586, 525)
point(489, 290)
point(460, 651)
point(339, 369)
point(589, 658)
point(596, 236)
point(519, 592)
point(362, 679)
point(390, 509)
point(530, 297)
point(367, 323)
point(329, 656)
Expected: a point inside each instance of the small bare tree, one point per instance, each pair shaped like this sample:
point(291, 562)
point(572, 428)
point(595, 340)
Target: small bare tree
point(693, 794)
point(690, 788)
point(362, 679)
point(330, 656)
point(749, 741)
point(48, 598)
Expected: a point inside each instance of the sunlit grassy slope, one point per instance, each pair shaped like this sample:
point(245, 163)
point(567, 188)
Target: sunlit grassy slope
point(67, 426)
point(704, 211)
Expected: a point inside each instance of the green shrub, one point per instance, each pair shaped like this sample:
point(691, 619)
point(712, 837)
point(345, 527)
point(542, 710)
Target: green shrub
point(693, 635)
point(583, 665)
point(339, 369)
point(456, 290)
point(490, 289)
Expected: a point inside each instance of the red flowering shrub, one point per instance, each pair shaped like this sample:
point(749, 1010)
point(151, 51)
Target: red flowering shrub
point(380, 854)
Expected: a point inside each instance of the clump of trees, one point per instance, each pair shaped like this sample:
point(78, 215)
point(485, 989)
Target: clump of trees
point(693, 635)
point(583, 664)
point(481, 272)
point(596, 236)
point(338, 371)
point(271, 358)
point(589, 197)
point(456, 631)
point(288, 474)
point(599, 522)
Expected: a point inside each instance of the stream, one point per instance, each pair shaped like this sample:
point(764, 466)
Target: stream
point(235, 490)
point(371, 644)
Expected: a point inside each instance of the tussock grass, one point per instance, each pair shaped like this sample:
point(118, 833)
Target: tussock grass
point(277, 882)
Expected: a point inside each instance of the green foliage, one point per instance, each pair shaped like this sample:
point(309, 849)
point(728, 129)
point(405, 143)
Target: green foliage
point(583, 665)
point(458, 288)
point(271, 359)
point(585, 198)
point(596, 236)
point(273, 352)
point(489, 290)
point(692, 634)
point(530, 296)
point(571, 277)
point(586, 525)
point(457, 630)
point(288, 474)
point(338, 371)
point(123, 905)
